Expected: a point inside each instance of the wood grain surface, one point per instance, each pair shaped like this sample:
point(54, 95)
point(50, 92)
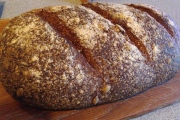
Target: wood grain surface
point(154, 98)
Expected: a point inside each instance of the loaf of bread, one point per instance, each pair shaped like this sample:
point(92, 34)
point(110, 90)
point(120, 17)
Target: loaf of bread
point(68, 57)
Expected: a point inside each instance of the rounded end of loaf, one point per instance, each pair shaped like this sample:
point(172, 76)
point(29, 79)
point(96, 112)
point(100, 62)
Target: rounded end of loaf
point(69, 57)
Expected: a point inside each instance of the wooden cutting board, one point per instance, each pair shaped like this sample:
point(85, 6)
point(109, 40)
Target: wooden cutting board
point(157, 97)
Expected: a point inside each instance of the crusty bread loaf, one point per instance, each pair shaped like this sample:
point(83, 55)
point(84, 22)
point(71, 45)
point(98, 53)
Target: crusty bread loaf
point(68, 57)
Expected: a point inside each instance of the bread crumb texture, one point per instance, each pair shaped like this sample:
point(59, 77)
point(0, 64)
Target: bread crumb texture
point(68, 57)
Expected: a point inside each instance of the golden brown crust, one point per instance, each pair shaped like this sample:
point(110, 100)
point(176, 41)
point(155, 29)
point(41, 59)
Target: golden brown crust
point(67, 57)
point(160, 17)
point(154, 41)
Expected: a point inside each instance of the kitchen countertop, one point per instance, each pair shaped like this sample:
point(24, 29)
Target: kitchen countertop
point(15, 7)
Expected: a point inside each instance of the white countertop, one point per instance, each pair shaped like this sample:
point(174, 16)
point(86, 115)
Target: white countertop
point(13, 8)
